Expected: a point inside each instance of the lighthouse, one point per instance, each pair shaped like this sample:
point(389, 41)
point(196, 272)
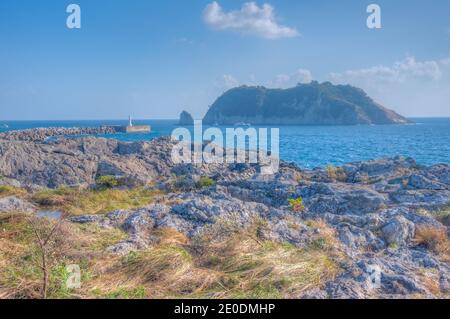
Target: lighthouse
point(130, 128)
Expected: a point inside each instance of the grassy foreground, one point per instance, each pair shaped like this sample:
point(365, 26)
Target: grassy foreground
point(212, 265)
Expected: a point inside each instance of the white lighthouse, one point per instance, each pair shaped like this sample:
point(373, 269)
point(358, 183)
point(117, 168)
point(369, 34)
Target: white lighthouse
point(130, 122)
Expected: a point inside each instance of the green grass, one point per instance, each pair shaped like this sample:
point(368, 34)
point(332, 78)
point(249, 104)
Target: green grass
point(443, 216)
point(125, 293)
point(205, 182)
point(81, 202)
point(7, 190)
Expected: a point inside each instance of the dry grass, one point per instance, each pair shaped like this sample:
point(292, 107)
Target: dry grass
point(325, 239)
point(336, 173)
point(434, 239)
point(20, 273)
point(224, 261)
point(80, 202)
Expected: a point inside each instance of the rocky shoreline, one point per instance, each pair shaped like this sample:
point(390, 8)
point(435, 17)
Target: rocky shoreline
point(41, 134)
point(376, 209)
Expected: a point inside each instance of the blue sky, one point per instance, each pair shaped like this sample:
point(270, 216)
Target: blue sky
point(155, 58)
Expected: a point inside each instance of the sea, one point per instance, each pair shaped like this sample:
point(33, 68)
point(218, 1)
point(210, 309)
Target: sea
point(427, 140)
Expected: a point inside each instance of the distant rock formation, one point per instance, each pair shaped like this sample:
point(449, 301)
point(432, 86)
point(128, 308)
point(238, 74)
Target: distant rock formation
point(186, 119)
point(306, 104)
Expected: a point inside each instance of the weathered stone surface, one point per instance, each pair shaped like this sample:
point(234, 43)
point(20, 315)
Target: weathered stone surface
point(14, 204)
point(397, 231)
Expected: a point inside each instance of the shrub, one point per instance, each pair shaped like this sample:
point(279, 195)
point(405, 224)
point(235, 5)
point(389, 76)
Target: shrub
point(107, 181)
point(205, 181)
point(296, 205)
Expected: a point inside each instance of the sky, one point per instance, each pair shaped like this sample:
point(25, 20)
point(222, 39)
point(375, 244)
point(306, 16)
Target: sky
point(153, 59)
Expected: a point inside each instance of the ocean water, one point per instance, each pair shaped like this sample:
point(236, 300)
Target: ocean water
point(427, 141)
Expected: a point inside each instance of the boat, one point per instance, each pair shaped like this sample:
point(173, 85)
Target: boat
point(242, 124)
point(4, 126)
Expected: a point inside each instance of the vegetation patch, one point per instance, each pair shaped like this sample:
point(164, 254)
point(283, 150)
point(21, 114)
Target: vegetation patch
point(81, 202)
point(336, 173)
point(434, 239)
point(443, 216)
point(7, 190)
point(205, 181)
point(296, 205)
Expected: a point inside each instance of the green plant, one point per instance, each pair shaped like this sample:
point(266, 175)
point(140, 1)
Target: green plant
point(107, 181)
point(296, 204)
point(205, 181)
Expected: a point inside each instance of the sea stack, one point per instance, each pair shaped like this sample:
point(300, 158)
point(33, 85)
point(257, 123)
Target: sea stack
point(186, 119)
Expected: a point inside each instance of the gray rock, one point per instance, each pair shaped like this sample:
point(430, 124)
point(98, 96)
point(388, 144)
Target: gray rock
point(398, 231)
point(14, 204)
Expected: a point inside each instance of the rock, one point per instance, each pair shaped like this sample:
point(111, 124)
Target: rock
point(421, 182)
point(186, 119)
point(14, 204)
point(398, 231)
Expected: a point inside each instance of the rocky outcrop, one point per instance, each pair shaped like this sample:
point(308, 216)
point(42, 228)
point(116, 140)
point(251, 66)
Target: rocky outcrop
point(305, 104)
point(186, 119)
point(41, 134)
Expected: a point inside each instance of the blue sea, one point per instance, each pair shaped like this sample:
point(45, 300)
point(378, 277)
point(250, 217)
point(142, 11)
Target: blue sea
point(427, 141)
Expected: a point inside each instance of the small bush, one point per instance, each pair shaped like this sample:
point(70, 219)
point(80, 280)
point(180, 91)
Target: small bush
point(107, 181)
point(296, 205)
point(205, 181)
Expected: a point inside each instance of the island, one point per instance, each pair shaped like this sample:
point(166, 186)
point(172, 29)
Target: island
point(305, 104)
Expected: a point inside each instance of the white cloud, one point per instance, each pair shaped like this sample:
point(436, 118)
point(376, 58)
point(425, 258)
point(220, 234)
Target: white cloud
point(290, 80)
point(401, 71)
point(249, 20)
point(227, 82)
point(445, 62)
point(411, 87)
